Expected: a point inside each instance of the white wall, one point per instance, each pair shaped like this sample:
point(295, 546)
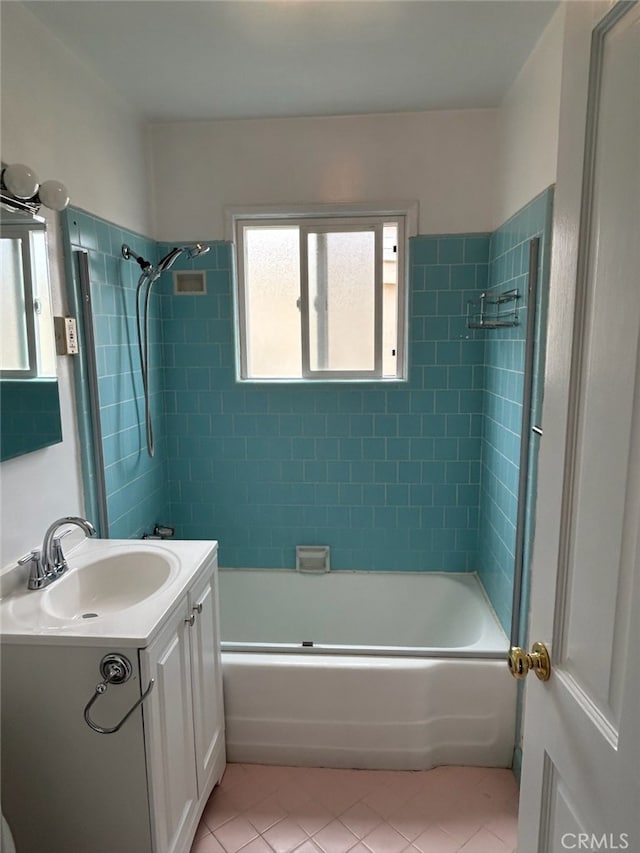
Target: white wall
point(62, 120)
point(528, 124)
point(446, 160)
point(59, 118)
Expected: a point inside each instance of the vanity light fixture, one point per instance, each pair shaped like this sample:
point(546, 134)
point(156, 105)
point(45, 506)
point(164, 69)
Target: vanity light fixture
point(20, 189)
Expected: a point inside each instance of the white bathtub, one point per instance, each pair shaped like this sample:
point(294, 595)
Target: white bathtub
point(364, 669)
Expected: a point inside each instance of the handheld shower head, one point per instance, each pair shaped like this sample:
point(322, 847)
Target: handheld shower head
point(171, 257)
point(150, 274)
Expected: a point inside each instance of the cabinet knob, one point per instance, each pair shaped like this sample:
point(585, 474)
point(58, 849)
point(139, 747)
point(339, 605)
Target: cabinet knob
point(191, 620)
point(197, 608)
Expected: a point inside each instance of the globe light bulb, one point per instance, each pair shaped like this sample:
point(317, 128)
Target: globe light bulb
point(20, 180)
point(54, 194)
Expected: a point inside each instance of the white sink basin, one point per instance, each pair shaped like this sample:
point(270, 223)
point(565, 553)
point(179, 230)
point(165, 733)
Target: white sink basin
point(110, 584)
point(115, 590)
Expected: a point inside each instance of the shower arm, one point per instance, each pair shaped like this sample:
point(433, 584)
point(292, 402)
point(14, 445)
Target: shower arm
point(127, 253)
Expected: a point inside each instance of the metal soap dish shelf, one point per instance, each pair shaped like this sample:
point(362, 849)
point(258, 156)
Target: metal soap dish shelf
point(489, 311)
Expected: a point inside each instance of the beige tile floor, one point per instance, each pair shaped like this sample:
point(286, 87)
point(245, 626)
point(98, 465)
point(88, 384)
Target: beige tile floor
point(260, 809)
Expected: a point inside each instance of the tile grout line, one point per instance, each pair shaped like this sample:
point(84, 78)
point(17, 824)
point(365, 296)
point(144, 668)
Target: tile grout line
point(353, 798)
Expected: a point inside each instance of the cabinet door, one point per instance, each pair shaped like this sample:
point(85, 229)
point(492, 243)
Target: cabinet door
point(208, 714)
point(169, 733)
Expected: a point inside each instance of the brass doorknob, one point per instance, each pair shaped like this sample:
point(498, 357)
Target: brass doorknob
point(520, 661)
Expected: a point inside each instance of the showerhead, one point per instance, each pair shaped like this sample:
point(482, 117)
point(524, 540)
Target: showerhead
point(171, 257)
point(198, 249)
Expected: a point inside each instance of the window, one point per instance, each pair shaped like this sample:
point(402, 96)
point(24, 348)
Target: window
point(321, 298)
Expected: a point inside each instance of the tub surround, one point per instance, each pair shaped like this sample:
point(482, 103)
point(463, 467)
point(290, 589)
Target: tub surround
point(417, 476)
point(387, 474)
point(502, 402)
point(501, 445)
point(136, 485)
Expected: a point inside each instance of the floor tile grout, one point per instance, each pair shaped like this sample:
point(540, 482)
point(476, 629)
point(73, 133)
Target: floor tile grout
point(261, 809)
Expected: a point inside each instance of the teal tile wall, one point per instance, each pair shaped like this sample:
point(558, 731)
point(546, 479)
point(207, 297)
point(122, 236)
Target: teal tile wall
point(415, 476)
point(502, 396)
point(136, 485)
point(386, 474)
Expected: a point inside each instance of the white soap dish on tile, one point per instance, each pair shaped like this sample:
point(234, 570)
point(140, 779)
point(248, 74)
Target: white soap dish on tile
point(314, 559)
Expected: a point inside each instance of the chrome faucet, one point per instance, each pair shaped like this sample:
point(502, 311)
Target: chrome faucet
point(53, 559)
point(47, 565)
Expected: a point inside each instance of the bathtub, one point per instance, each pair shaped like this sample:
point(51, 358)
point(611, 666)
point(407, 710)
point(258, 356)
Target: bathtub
point(375, 670)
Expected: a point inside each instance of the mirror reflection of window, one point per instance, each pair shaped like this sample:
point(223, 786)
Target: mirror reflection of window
point(45, 337)
point(29, 394)
point(14, 352)
point(27, 348)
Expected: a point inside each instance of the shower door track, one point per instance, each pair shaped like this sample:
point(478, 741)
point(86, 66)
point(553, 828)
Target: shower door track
point(364, 651)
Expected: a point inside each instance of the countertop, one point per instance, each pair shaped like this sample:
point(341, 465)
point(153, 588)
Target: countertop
point(27, 617)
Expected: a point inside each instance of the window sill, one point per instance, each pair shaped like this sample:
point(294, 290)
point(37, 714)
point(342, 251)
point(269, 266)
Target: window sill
point(392, 380)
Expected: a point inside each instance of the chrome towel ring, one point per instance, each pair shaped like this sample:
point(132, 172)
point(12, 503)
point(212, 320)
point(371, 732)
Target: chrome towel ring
point(115, 669)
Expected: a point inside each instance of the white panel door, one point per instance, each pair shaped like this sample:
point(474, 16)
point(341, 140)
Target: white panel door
point(168, 718)
point(581, 766)
point(208, 713)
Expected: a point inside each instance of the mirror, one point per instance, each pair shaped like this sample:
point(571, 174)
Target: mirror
point(29, 396)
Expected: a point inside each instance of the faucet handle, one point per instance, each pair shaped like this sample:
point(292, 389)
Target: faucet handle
point(64, 533)
point(38, 576)
point(35, 554)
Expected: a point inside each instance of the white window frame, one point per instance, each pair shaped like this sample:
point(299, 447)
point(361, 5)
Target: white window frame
point(317, 219)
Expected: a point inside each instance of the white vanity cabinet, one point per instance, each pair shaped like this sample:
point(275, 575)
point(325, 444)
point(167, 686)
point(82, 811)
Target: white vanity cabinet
point(142, 789)
point(206, 678)
point(184, 716)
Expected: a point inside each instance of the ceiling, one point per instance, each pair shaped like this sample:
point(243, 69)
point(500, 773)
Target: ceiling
point(178, 60)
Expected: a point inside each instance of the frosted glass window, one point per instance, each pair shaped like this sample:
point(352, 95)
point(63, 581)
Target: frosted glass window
point(342, 297)
point(14, 349)
point(272, 269)
point(320, 298)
